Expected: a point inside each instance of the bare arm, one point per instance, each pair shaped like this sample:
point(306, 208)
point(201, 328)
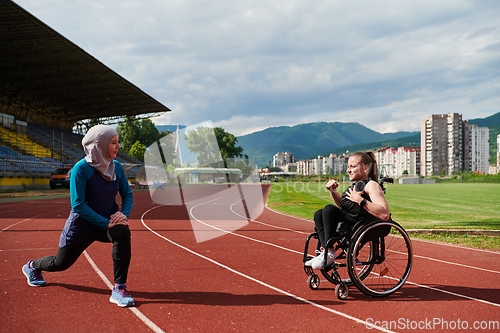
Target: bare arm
point(332, 187)
point(378, 207)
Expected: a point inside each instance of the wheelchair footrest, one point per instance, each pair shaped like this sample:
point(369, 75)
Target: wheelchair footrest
point(309, 270)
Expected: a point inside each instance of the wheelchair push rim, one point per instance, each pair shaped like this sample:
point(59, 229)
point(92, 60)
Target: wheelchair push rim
point(389, 264)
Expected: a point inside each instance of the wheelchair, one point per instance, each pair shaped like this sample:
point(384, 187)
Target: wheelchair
point(375, 256)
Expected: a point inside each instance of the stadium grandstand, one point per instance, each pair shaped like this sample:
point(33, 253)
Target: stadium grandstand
point(51, 91)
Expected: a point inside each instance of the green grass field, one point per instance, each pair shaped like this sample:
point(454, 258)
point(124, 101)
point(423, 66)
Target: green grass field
point(430, 206)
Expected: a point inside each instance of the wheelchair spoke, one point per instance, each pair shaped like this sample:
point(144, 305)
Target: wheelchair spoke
point(387, 272)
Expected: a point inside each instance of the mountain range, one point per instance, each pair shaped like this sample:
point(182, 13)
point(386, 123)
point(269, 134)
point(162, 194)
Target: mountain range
point(168, 128)
point(307, 141)
point(310, 140)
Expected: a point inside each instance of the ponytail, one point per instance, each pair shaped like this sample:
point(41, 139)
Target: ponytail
point(369, 159)
point(373, 172)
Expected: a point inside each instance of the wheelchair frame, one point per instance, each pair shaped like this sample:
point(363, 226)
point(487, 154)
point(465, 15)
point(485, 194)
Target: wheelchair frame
point(376, 254)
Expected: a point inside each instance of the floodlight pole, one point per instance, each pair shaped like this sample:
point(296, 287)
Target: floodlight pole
point(177, 146)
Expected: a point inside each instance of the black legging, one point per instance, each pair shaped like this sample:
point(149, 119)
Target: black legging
point(327, 221)
point(66, 256)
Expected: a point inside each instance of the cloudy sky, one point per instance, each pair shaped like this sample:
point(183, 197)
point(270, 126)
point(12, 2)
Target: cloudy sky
point(249, 65)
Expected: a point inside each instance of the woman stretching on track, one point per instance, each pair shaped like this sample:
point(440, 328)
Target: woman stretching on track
point(95, 215)
point(363, 199)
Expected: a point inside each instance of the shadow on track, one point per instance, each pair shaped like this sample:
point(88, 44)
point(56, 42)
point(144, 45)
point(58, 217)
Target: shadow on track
point(409, 293)
point(197, 297)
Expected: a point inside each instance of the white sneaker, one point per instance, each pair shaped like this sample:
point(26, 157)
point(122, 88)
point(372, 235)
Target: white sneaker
point(317, 263)
point(318, 254)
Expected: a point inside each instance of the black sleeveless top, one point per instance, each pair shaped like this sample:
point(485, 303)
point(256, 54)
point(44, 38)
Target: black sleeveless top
point(353, 209)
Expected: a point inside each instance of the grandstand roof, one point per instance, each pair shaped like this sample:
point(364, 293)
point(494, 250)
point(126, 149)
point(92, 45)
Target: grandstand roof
point(46, 79)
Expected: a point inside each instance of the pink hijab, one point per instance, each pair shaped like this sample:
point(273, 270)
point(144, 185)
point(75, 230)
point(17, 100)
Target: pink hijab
point(96, 146)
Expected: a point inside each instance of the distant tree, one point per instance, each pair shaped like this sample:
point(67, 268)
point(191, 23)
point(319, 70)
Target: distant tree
point(132, 130)
point(148, 132)
point(128, 132)
point(201, 142)
point(137, 151)
point(92, 122)
point(405, 172)
point(227, 144)
point(243, 167)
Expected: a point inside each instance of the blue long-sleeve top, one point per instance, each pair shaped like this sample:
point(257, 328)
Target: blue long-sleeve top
point(93, 201)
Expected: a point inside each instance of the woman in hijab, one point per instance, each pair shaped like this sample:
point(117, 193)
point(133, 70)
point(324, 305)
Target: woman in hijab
point(95, 215)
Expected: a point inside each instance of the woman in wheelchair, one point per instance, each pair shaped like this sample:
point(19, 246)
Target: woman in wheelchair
point(363, 199)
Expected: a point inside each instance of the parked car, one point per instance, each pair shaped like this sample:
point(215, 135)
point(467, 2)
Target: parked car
point(60, 177)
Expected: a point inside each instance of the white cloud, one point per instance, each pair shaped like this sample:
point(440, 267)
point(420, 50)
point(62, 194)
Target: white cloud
point(245, 125)
point(247, 65)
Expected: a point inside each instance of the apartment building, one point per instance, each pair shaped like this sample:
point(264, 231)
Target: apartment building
point(335, 164)
point(479, 149)
point(396, 162)
point(498, 153)
point(282, 159)
point(408, 160)
point(289, 167)
point(445, 145)
point(332, 164)
point(386, 161)
point(305, 167)
point(392, 162)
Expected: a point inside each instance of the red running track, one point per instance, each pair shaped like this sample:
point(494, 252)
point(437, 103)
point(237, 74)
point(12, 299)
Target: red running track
point(249, 280)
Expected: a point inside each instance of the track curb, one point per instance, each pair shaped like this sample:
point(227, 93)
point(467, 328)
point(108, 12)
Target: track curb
point(472, 232)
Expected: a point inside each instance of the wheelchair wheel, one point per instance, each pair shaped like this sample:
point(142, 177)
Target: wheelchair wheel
point(341, 291)
point(390, 259)
point(313, 281)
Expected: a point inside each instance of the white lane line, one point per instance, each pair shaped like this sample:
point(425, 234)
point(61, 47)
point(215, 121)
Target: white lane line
point(266, 224)
point(110, 285)
point(233, 233)
point(440, 290)
point(29, 218)
point(261, 282)
point(444, 291)
point(453, 294)
point(455, 246)
point(415, 239)
point(33, 249)
point(13, 225)
point(454, 263)
point(134, 310)
point(287, 215)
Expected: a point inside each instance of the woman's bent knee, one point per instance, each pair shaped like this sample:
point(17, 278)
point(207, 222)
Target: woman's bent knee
point(119, 233)
point(330, 209)
point(318, 215)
